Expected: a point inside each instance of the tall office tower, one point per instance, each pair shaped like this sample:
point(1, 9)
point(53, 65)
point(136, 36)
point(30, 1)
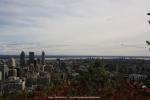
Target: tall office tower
point(38, 61)
point(4, 70)
point(22, 59)
point(31, 58)
point(12, 63)
point(43, 58)
point(59, 62)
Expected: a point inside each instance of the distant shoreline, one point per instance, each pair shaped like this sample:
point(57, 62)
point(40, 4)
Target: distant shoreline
point(78, 57)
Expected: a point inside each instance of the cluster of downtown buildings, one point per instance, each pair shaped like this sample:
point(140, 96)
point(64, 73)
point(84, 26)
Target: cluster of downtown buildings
point(24, 73)
point(30, 72)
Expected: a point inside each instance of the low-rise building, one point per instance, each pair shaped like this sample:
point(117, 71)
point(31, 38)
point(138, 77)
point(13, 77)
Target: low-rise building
point(137, 77)
point(43, 79)
point(11, 86)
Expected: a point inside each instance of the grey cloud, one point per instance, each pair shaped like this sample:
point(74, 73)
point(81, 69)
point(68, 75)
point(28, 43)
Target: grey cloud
point(29, 46)
point(74, 26)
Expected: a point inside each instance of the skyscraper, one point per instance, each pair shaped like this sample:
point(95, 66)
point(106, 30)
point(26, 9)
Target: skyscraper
point(31, 58)
point(4, 70)
point(22, 59)
point(43, 58)
point(12, 63)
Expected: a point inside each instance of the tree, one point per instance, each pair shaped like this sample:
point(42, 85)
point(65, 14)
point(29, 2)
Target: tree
point(96, 78)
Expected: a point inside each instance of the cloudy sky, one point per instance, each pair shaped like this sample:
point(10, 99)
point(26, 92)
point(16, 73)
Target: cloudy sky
point(75, 27)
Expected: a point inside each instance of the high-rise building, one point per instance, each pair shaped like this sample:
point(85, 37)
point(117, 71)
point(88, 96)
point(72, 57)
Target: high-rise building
point(38, 61)
point(22, 59)
point(4, 70)
point(31, 58)
point(59, 62)
point(12, 63)
point(43, 58)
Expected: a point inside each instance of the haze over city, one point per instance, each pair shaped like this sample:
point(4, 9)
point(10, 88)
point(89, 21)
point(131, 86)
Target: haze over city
point(75, 27)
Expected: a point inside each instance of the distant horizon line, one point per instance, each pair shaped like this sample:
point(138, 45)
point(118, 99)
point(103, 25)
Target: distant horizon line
point(67, 55)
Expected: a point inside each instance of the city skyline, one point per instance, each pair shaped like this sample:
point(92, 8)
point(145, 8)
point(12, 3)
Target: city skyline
point(75, 27)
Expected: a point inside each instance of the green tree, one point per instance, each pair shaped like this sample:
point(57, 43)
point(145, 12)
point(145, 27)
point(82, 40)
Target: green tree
point(96, 77)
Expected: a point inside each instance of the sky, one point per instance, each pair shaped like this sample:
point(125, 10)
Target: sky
point(75, 27)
